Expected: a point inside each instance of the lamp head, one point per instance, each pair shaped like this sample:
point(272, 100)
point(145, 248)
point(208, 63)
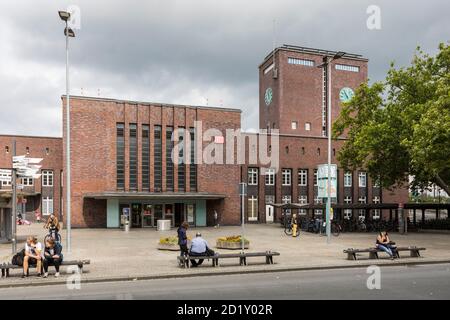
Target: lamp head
point(64, 15)
point(70, 31)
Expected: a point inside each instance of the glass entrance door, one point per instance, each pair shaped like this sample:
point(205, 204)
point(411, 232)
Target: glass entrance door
point(147, 216)
point(157, 213)
point(136, 215)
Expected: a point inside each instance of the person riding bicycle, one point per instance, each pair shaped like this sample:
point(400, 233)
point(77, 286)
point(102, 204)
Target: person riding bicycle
point(52, 225)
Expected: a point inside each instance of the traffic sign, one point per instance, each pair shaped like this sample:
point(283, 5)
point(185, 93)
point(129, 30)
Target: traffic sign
point(18, 158)
point(34, 160)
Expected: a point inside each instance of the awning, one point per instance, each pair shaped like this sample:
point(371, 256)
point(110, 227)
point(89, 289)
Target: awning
point(410, 205)
point(155, 195)
point(8, 194)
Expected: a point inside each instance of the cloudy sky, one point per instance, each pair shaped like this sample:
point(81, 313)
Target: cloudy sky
point(187, 51)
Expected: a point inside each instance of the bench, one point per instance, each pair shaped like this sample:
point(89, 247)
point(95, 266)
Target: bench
point(373, 252)
point(80, 263)
point(184, 261)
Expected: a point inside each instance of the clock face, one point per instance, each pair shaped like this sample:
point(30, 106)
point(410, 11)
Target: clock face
point(346, 94)
point(268, 96)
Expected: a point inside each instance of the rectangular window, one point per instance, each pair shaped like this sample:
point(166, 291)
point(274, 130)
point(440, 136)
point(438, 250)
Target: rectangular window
point(158, 158)
point(169, 162)
point(192, 166)
point(270, 177)
point(47, 206)
point(7, 182)
point(347, 179)
point(270, 199)
point(120, 155)
point(294, 125)
point(27, 181)
point(347, 212)
point(181, 162)
point(318, 212)
point(301, 62)
point(376, 212)
point(133, 157)
point(145, 157)
point(286, 199)
point(303, 177)
point(286, 177)
point(47, 178)
point(362, 179)
point(315, 178)
point(346, 67)
point(302, 199)
point(308, 126)
point(362, 212)
point(252, 208)
point(252, 176)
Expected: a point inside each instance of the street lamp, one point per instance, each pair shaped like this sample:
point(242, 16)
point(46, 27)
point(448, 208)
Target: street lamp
point(68, 32)
point(327, 66)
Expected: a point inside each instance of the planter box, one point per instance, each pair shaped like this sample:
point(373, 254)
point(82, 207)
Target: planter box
point(231, 245)
point(171, 247)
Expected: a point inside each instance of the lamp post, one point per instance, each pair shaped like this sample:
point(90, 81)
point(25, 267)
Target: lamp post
point(327, 65)
point(68, 32)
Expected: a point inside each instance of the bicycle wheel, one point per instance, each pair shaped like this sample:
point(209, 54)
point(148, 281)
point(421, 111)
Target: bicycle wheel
point(288, 230)
point(335, 229)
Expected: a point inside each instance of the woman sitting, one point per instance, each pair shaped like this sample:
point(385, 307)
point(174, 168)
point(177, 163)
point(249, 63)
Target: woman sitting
point(384, 243)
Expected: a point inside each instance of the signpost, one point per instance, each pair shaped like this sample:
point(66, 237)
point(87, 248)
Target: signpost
point(23, 167)
point(327, 188)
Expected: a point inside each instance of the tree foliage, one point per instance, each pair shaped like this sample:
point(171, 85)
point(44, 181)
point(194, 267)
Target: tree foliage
point(400, 127)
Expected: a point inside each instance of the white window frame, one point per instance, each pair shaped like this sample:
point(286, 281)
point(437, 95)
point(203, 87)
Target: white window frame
point(46, 175)
point(294, 125)
point(303, 177)
point(348, 177)
point(376, 214)
point(302, 199)
point(252, 176)
point(348, 213)
point(301, 62)
point(286, 177)
point(252, 208)
point(362, 177)
point(346, 67)
point(362, 212)
point(269, 177)
point(47, 206)
point(7, 183)
point(307, 126)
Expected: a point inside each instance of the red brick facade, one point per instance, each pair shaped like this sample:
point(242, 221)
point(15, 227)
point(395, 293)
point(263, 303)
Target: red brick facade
point(50, 149)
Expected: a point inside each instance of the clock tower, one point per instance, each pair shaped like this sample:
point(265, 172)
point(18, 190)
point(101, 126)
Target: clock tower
point(292, 95)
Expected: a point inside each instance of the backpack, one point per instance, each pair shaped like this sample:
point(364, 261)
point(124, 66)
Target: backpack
point(210, 252)
point(17, 259)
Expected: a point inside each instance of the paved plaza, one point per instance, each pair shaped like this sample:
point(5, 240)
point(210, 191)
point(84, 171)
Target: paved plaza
point(115, 254)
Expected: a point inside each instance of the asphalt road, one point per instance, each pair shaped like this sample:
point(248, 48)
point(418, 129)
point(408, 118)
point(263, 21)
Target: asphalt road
point(403, 282)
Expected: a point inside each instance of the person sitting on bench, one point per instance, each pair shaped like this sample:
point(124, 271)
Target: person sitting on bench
point(52, 256)
point(384, 243)
point(198, 248)
point(33, 250)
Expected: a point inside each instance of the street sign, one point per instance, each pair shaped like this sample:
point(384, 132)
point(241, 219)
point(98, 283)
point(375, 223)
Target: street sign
point(322, 180)
point(242, 189)
point(20, 186)
point(18, 158)
point(34, 160)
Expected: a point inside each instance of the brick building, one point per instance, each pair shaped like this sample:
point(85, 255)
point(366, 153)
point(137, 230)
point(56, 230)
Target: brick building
point(121, 159)
point(43, 195)
point(293, 99)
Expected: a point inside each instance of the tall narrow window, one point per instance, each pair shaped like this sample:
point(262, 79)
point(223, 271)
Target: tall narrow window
point(47, 178)
point(158, 158)
point(181, 161)
point(348, 179)
point(286, 177)
point(169, 162)
point(315, 178)
point(252, 208)
point(192, 166)
point(120, 156)
point(252, 176)
point(362, 179)
point(303, 177)
point(145, 157)
point(270, 177)
point(133, 157)
point(47, 206)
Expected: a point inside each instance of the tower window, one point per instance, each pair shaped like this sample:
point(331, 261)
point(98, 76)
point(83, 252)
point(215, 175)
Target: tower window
point(308, 126)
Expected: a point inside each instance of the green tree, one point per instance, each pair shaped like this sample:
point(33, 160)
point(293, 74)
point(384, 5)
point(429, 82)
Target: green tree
point(400, 127)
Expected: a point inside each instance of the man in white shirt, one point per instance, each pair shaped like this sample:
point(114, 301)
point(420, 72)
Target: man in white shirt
point(33, 256)
point(198, 248)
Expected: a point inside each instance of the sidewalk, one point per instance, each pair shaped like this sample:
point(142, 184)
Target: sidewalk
point(116, 255)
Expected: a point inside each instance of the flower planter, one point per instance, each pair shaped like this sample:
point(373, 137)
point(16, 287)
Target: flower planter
point(231, 245)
